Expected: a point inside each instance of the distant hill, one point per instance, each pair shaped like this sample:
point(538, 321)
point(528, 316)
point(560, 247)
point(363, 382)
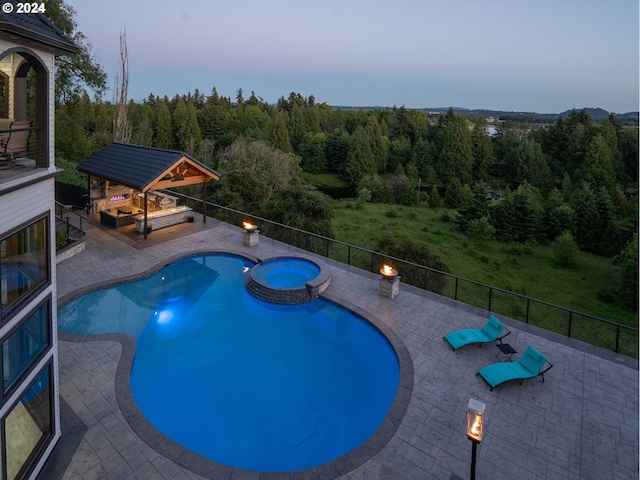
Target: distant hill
point(600, 114)
point(597, 114)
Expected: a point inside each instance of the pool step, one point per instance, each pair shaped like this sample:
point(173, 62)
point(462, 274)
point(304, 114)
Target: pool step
point(283, 296)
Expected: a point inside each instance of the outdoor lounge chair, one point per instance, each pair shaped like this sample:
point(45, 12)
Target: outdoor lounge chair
point(490, 332)
point(529, 366)
point(16, 142)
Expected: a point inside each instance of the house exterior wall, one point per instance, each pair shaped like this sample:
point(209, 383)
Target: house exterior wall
point(9, 64)
point(27, 200)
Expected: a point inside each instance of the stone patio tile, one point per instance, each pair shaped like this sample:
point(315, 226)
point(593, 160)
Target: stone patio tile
point(581, 423)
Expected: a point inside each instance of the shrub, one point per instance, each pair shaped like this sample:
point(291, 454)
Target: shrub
point(566, 249)
point(364, 196)
point(391, 213)
point(480, 230)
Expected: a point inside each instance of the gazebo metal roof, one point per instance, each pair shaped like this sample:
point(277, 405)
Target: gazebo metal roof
point(146, 168)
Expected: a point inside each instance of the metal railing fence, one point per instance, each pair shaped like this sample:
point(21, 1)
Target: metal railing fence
point(594, 330)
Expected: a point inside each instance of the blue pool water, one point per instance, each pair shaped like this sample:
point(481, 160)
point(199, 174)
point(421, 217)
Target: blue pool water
point(240, 381)
point(286, 272)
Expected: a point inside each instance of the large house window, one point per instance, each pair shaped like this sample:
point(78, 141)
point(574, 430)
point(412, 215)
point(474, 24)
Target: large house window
point(28, 427)
point(23, 264)
point(24, 345)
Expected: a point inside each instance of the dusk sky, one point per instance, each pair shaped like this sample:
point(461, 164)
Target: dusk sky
point(545, 56)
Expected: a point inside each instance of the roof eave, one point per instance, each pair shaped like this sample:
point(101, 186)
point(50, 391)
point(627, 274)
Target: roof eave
point(59, 47)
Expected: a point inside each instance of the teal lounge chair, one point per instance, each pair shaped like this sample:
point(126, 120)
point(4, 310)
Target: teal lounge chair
point(490, 332)
point(529, 366)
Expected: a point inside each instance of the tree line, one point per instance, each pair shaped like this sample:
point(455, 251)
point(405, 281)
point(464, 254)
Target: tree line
point(521, 184)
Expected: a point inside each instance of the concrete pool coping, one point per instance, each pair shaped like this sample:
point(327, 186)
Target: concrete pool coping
point(208, 468)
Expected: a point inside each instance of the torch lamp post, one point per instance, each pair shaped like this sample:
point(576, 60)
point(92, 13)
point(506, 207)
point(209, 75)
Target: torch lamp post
point(475, 424)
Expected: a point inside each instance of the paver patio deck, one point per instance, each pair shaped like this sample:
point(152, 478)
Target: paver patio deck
point(581, 423)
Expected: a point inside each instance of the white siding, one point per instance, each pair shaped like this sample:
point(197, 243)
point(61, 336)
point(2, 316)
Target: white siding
point(21, 205)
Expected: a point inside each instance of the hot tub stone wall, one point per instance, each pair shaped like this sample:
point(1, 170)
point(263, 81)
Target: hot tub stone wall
point(289, 296)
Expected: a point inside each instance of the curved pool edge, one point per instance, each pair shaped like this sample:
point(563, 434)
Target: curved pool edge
point(210, 469)
point(311, 290)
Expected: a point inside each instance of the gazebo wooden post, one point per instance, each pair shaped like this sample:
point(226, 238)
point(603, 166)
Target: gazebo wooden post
point(145, 215)
point(204, 202)
point(86, 205)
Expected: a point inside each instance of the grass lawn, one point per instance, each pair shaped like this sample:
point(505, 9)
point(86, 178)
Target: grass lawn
point(524, 269)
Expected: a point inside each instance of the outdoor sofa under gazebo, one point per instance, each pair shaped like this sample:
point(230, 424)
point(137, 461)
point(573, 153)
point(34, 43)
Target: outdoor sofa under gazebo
point(124, 182)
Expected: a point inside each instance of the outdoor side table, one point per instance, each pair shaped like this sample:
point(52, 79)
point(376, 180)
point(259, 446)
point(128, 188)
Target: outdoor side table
point(507, 350)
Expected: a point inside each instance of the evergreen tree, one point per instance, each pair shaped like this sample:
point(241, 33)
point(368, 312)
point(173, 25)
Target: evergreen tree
point(424, 154)
point(296, 126)
point(278, 134)
point(379, 143)
point(531, 165)
point(337, 150)
point(141, 123)
point(162, 127)
point(477, 207)
point(528, 210)
point(561, 219)
point(482, 150)
point(598, 168)
point(312, 152)
point(502, 215)
point(360, 160)
point(506, 140)
point(454, 195)
point(186, 128)
point(596, 228)
point(434, 199)
point(400, 153)
point(456, 155)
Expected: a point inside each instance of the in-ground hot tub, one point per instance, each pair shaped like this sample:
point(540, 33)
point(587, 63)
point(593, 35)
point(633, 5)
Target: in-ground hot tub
point(288, 280)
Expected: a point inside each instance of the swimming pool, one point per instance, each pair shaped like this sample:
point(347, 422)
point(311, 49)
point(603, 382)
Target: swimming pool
point(274, 388)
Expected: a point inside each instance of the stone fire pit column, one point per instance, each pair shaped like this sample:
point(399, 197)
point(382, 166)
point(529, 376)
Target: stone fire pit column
point(389, 284)
point(250, 234)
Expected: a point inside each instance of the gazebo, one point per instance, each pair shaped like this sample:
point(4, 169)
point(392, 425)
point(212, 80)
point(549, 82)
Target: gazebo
point(123, 177)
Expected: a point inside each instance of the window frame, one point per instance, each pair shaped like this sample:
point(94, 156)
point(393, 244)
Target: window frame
point(47, 302)
point(7, 314)
point(46, 438)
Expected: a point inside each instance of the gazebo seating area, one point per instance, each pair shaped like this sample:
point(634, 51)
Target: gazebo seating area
point(126, 183)
point(116, 217)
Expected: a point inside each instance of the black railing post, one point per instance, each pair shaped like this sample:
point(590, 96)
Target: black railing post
point(349, 255)
point(455, 292)
point(617, 339)
point(490, 297)
point(570, 320)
